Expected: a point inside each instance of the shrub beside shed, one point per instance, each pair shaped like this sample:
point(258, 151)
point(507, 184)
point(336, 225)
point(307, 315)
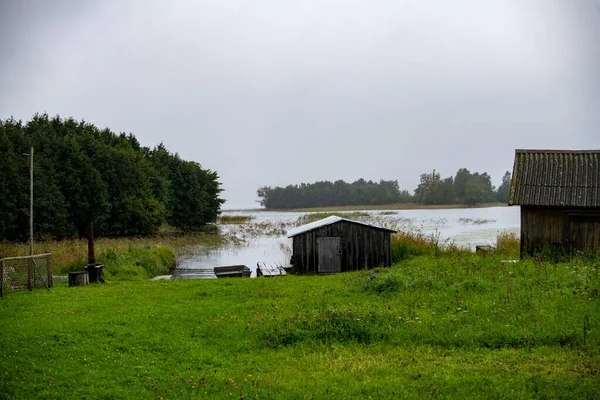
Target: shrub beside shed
point(335, 244)
point(559, 195)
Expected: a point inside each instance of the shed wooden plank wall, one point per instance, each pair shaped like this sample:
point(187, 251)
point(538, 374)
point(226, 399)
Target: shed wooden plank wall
point(362, 246)
point(584, 233)
point(540, 226)
point(570, 228)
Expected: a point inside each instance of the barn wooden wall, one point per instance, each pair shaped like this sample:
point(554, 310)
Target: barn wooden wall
point(572, 228)
point(362, 246)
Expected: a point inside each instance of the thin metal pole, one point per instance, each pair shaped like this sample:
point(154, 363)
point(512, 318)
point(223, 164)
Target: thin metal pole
point(31, 203)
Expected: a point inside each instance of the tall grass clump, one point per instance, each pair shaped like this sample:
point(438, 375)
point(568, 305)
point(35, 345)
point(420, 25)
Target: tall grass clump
point(323, 326)
point(129, 264)
point(380, 281)
point(408, 244)
point(71, 255)
point(137, 264)
point(508, 244)
point(552, 253)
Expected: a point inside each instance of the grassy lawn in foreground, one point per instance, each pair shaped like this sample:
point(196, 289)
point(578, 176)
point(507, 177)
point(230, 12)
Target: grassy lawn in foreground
point(454, 326)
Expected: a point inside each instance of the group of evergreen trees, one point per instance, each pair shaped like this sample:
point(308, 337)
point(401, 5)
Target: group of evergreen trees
point(85, 175)
point(464, 188)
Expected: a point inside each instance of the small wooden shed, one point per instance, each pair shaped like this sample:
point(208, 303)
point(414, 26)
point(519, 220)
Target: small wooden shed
point(335, 244)
point(559, 195)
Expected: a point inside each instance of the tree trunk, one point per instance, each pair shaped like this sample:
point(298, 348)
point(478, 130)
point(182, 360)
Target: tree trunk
point(78, 278)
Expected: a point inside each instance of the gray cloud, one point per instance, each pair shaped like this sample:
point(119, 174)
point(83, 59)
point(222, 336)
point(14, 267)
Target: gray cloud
point(271, 92)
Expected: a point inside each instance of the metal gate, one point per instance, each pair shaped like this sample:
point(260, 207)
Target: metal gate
point(27, 272)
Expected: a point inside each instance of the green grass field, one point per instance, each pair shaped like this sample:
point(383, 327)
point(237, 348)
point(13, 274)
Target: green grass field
point(455, 326)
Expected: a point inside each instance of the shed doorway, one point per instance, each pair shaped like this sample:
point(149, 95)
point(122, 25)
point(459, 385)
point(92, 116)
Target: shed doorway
point(330, 255)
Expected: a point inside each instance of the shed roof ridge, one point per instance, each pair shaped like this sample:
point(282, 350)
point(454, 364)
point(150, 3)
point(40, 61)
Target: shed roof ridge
point(332, 219)
point(556, 151)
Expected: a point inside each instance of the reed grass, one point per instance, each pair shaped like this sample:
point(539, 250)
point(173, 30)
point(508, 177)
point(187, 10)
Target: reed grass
point(475, 221)
point(71, 255)
point(402, 206)
point(311, 217)
point(252, 230)
point(235, 219)
point(508, 244)
point(139, 263)
point(406, 244)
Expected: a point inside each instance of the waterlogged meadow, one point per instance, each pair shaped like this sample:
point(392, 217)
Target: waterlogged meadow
point(455, 325)
point(261, 236)
point(248, 237)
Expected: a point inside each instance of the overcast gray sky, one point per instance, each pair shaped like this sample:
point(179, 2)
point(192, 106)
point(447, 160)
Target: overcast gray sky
point(272, 92)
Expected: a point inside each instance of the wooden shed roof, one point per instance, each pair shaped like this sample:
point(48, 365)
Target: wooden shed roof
point(556, 178)
point(327, 221)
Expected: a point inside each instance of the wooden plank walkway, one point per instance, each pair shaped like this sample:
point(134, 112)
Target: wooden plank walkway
point(262, 269)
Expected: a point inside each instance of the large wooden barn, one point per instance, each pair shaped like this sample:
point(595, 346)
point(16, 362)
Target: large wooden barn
point(336, 244)
point(559, 195)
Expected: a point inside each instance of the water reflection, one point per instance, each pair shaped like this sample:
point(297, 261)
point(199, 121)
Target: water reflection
point(260, 249)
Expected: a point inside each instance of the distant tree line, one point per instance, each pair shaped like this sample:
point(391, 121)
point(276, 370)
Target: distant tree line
point(338, 193)
point(84, 176)
point(465, 188)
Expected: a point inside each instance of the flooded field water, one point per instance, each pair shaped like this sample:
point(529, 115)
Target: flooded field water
point(263, 238)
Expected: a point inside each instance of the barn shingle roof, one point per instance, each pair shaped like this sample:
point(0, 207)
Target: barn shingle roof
point(564, 178)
